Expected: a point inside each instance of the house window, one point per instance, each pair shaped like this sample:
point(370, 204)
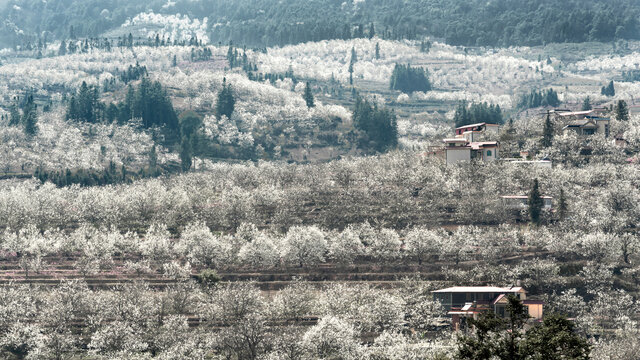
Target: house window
point(488, 152)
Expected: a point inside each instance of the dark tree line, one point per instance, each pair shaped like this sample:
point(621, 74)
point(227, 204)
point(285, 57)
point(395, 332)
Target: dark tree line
point(148, 101)
point(378, 127)
point(537, 98)
point(409, 79)
point(274, 22)
point(477, 113)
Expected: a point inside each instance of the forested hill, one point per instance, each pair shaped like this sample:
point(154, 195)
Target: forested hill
point(277, 22)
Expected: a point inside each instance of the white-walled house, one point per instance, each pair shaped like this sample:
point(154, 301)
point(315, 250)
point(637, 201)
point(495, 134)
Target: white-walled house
point(460, 149)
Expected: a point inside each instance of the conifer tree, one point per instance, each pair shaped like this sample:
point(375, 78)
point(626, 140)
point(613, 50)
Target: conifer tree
point(63, 48)
point(14, 115)
point(608, 90)
point(377, 51)
point(563, 206)
point(226, 101)
point(186, 153)
point(153, 160)
point(547, 132)
point(586, 104)
point(535, 203)
point(622, 110)
point(308, 96)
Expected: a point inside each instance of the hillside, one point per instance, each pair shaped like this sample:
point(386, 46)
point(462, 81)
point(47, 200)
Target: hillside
point(261, 23)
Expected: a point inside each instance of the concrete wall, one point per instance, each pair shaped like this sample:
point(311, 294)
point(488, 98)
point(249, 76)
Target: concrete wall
point(458, 154)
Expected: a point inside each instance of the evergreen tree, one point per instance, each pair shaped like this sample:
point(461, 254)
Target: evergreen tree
point(372, 31)
point(555, 339)
point(226, 101)
point(586, 104)
point(175, 61)
point(497, 338)
point(14, 115)
point(186, 153)
point(563, 206)
point(622, 110)
point(547, 132)
point(308, 96)
point(354, 55)
point(377, 51)
point(409, 79)
point(153, 160)
point(477, 113)
point(63, 48)
point(535, 203)
point(608, 90)
point(351, 73)
point(379, 128)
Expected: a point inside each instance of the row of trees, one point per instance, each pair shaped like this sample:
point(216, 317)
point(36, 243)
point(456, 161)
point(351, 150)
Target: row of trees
point(536, 99)
point(96, 250)
point(477, 113)
point(148, 101)
point(409, 79)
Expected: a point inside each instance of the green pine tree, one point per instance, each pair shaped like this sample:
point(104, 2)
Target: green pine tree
point(186, 153)
point(586, 104)
point(535, 203)
point(308, 96)
point(377, 51)
point(226, 101)
point(563, 206)
point(547, 132)
point(622, 110)
point(30, 122)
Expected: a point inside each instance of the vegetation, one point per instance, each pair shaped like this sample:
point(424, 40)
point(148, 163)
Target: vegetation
point(148, 101)
point(536, 203)
point(555, 338)
point(539, 98)
point(378, 127)
point(460, 22)
point(477, 113)
point(621, 110)
point(409, 79)
point(608, 90)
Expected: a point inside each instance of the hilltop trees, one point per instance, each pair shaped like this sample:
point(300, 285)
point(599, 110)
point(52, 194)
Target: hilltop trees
point(477, 113)
point(379, 127)
point(409, 79)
